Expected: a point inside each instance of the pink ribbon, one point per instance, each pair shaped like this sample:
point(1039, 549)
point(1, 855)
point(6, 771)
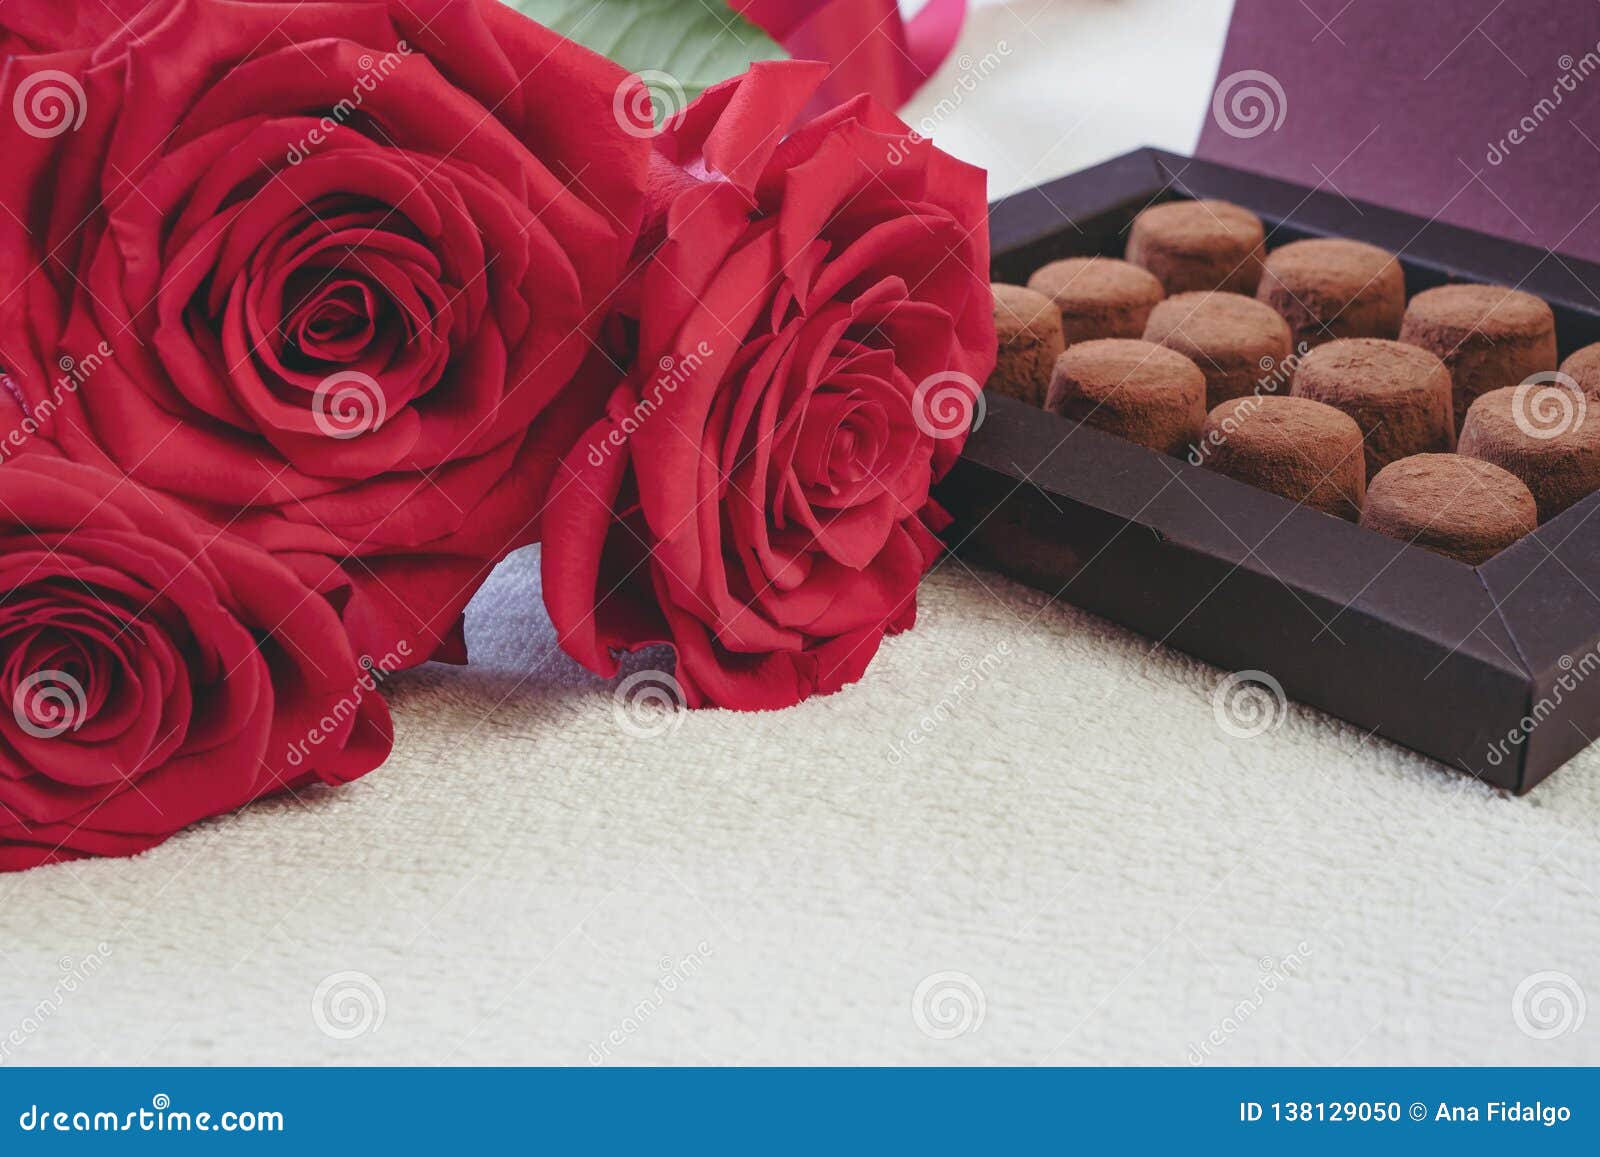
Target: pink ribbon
point(870, 47)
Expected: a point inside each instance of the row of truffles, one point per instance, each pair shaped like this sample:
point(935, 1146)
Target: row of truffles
point(1306, 372)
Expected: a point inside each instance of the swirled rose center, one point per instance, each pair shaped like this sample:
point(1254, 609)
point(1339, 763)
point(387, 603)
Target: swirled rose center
point(87, 667)
point(327, 320)
point(841, 444)
point(60, 666)
point(333, 320)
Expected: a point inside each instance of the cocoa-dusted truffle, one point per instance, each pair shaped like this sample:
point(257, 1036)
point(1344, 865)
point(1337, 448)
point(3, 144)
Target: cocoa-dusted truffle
point(1545, 434)
point(1488, 336)
point(1583, 367)
point(1238, 343)
point(1199, 245)
point(1029, 329)
point(1462, 507)
point(1098, 296)
point(1135, 389)
point(1398, 394)
point(1328, 288)
point(1303, 450)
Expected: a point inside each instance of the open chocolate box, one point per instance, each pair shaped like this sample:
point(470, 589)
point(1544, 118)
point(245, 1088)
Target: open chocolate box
point(1493, 669)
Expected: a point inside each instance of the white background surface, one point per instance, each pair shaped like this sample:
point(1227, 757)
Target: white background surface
point(1080, 840)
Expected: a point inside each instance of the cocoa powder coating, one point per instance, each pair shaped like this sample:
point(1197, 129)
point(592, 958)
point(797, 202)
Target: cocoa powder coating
point(1199, 245)
point(1029, 330)
point(1238, 342)
point(1451, 504)
point(1488, 337)
point(1137, 390)
point(1294, 447)
point(1098, 297)
point(1398, 394)
point(1329, 288)
point(1583, 367)
point(1546, 436)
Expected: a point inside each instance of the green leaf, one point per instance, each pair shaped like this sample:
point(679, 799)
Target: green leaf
point(694, 43)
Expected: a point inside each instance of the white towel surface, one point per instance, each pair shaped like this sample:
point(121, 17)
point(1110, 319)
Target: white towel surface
point(1077, 865)
point(1114, 873)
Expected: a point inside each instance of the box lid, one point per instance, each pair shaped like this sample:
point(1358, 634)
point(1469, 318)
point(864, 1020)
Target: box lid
point(1476, 113)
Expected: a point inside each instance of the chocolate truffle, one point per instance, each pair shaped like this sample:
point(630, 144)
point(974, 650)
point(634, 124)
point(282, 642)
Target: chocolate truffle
point(1583, 367)
point(1303, 450)
point(1238, 343)
point(1029, 329)
point(1463, 507)
point(1398, 394)
point(1199, 245)
point(1135, 389)
point(1545, 434)
point(1098, 296)
point(1329, 288)
point(1488, 336)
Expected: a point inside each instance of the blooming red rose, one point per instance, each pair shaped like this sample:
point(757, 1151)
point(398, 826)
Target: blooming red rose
point(315, 269)
point(154, 671)
point(812, 327)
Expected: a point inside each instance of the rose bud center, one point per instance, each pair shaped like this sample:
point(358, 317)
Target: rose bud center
point(64, 662)
point(841, 442)
point(334, 321)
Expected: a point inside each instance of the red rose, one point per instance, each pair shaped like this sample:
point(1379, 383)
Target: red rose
point(154, 671)
point(315, 268)
point(812, 329)
point(64, 24)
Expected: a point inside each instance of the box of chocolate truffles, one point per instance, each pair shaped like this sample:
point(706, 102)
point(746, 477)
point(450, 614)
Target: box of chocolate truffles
point(1348, 452)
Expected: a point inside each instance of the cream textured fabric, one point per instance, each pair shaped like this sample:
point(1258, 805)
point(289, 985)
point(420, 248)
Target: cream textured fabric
point(1114, 873)
point(1077, 865)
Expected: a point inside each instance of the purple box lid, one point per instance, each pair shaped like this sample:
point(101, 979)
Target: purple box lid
point(1473, 112)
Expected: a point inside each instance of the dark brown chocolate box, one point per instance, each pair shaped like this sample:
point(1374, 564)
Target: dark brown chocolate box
point(1494, 669)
